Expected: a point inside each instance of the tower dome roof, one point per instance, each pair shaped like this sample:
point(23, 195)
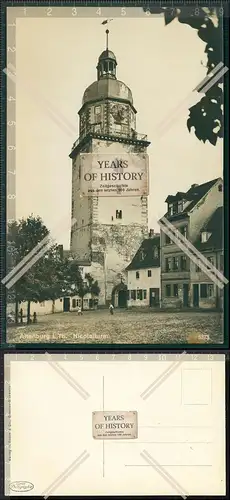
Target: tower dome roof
point(107, 54)
point(107, 88)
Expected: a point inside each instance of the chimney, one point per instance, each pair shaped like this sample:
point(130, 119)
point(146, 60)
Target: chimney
point(151, 233)
point(194, 185)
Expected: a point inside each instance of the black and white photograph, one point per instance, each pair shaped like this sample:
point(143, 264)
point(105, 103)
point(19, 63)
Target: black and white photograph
point(115, 176)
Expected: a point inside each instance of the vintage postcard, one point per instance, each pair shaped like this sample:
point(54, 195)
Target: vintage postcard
point(166, 413)
point(115, 175)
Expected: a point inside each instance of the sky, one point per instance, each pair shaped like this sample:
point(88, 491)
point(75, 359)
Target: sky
point(56, 60)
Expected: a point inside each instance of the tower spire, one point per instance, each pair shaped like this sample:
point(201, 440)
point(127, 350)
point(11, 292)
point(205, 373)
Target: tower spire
point(107, 39)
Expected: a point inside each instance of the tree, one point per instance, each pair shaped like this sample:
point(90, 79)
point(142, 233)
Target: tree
point(71, 277)
point(52, 276)
point(88, 286)
point(206, 117)
point(23, 236)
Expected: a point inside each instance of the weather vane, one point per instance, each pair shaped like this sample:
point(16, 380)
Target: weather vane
point(107, 31)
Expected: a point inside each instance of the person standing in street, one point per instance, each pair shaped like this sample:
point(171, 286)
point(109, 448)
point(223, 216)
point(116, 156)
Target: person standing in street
point(111, 308)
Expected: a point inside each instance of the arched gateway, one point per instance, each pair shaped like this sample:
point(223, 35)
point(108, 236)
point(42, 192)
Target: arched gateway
point(119, 295)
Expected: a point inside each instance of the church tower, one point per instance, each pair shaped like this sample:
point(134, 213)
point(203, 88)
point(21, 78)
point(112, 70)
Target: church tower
point(108, 230)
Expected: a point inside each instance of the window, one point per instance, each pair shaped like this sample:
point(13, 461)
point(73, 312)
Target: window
point(118, 214)
point(206, 290)
point(175, 290)
point(139, 294)
point(137, 275)
point(175, 263)
point(144, 294)
point(133, 294)
point(117, 127)
point(220, 188)
point(74, 303)
point(198, 269)
point(78, 302)
point(170, 208)
point(183, 231)
point(203, 291)
point(175, 208)
point(97, 110)
point(42, 304)
point(82, 222)
point(180, 206)
point(149, 273)
point(183, 262)
point(168, 290)
point(204, 237)
point(210, 290)
point(97, 120)
point(142, 255)
point(97, 128)
point(85, 301)
point(168, 264)
point(60, 300)
point(155, 252)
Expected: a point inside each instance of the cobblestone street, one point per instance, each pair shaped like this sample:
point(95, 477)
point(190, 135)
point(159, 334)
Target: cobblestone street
point(124, 327)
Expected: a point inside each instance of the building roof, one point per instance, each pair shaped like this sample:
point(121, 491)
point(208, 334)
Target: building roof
point(144, 258)
point(214, 226)
point(107, 88)
point(107, 54)
point(192, 196)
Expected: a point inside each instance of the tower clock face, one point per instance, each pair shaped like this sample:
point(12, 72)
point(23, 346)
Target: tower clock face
point(119, 113)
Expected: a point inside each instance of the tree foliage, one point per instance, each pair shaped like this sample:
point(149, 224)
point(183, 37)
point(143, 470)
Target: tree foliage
point(88, 285)
point(206, 117)
point(23, 236)
point(53, 275)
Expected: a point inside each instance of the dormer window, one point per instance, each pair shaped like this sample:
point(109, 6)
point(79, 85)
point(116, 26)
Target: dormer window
point(155, 252)
point(180, 206)
point(170, 208)
point(205, 236)
point(173, 208)
point(142, 255)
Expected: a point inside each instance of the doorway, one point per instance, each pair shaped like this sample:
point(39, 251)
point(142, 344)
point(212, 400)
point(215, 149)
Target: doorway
point(195, 295)
point(153, 297)
point(185, 295)
point(66, 304)
point(119, 295)
point(122, 298)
